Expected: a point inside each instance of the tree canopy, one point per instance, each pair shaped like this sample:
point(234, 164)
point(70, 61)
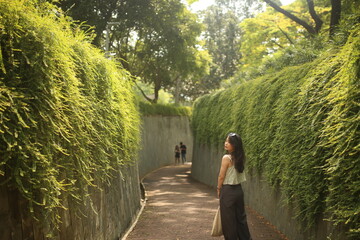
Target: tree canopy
point(272, 40)
point(156, 41)
point(189, 54)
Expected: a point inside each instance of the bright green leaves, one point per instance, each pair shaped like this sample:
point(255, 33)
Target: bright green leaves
point(272, 41)
point(300, 128)
point(68, 116)
point(166, 50)
point(222, 40)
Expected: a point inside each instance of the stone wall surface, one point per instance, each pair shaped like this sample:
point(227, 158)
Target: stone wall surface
point(160, 134)
point(112, 210)
point(260, 196)
point(106, 217)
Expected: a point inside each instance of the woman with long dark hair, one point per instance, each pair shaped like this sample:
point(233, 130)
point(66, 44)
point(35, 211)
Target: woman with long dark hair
point(231, 175)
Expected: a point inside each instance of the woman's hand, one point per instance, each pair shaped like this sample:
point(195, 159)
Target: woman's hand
point(218, 192)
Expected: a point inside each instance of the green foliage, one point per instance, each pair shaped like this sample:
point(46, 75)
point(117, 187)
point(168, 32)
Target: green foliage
point(272, 41)
point(222, 40)
point(68, 118)
point(98, 13)
point(163, 109)
point(167, 47)
point(340, 131)
point(300, 128)
point(155, 40)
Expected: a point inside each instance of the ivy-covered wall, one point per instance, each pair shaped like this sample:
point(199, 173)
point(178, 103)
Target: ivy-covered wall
point(69, 124)
point(301, 132)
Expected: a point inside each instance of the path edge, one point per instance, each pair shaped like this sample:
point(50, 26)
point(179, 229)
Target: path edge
point(142, 202)
point(135, 221)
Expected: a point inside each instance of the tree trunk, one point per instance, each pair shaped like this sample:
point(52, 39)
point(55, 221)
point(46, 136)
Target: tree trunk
point(318, 21)
point(177, 90)
point(335, 16)
point(157, 88)
point(308, 27)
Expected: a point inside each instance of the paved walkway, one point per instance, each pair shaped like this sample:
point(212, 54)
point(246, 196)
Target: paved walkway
point(180, 208)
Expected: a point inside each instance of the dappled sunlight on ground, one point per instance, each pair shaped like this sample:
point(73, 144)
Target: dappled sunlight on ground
point(181, 208)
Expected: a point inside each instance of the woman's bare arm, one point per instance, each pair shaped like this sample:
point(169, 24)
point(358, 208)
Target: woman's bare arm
point(224, 166)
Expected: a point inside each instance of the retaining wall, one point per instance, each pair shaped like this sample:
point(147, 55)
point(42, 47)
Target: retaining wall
point(115, 207)
point(160, 134)
point(112, 210)
point(260, 196)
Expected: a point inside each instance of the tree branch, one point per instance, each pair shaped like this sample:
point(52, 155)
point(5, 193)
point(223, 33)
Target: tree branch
point(277, 44)
point(286, 35)
point(317, 19)
point(308, 27)
point(143, 93)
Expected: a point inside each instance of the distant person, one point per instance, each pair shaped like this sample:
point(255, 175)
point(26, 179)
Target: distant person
point(229, 190)
point(177, 155)
point(183, 152)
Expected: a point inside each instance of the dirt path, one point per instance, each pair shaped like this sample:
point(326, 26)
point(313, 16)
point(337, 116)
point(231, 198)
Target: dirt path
point(180, 208)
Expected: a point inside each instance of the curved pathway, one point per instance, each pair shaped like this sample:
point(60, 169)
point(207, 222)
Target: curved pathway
point(180, 208)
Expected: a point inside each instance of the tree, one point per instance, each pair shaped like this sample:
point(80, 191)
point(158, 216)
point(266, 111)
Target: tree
point(94, 12)
point(166, 49)
point(222, 36)
point(155, 40)
point(195, 84)
point(241, 9)
point(271, 41)
point(335, 16)
point(222, 40)
point(312, 30)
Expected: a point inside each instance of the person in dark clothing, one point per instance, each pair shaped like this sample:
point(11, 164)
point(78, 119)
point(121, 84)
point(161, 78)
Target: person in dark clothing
point(183, 152)
point(177, 155)
point(231, 175)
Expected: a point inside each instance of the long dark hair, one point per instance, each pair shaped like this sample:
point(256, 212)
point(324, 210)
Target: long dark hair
point(238, 155)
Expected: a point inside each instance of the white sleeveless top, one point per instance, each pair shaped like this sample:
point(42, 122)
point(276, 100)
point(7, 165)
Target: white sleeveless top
point(233, 177)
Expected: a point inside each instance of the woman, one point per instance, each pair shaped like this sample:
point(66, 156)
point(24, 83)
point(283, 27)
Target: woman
point(231, 175)
point(177, 155)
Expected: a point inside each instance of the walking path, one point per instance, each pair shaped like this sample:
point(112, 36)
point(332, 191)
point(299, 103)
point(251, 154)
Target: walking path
point(180, 208)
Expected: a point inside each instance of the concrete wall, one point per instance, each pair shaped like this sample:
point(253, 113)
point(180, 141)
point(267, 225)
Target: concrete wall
point(116, 207)
point(260, 196)
point(160, 134)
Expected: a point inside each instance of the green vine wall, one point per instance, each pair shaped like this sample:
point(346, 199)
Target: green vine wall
point(301, 130)
point(68, 115)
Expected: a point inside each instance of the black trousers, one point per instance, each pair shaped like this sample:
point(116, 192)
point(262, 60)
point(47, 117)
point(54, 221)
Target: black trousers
point(233, 216)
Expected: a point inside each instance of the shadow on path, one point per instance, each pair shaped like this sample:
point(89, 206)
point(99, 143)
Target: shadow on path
point(180, 208)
